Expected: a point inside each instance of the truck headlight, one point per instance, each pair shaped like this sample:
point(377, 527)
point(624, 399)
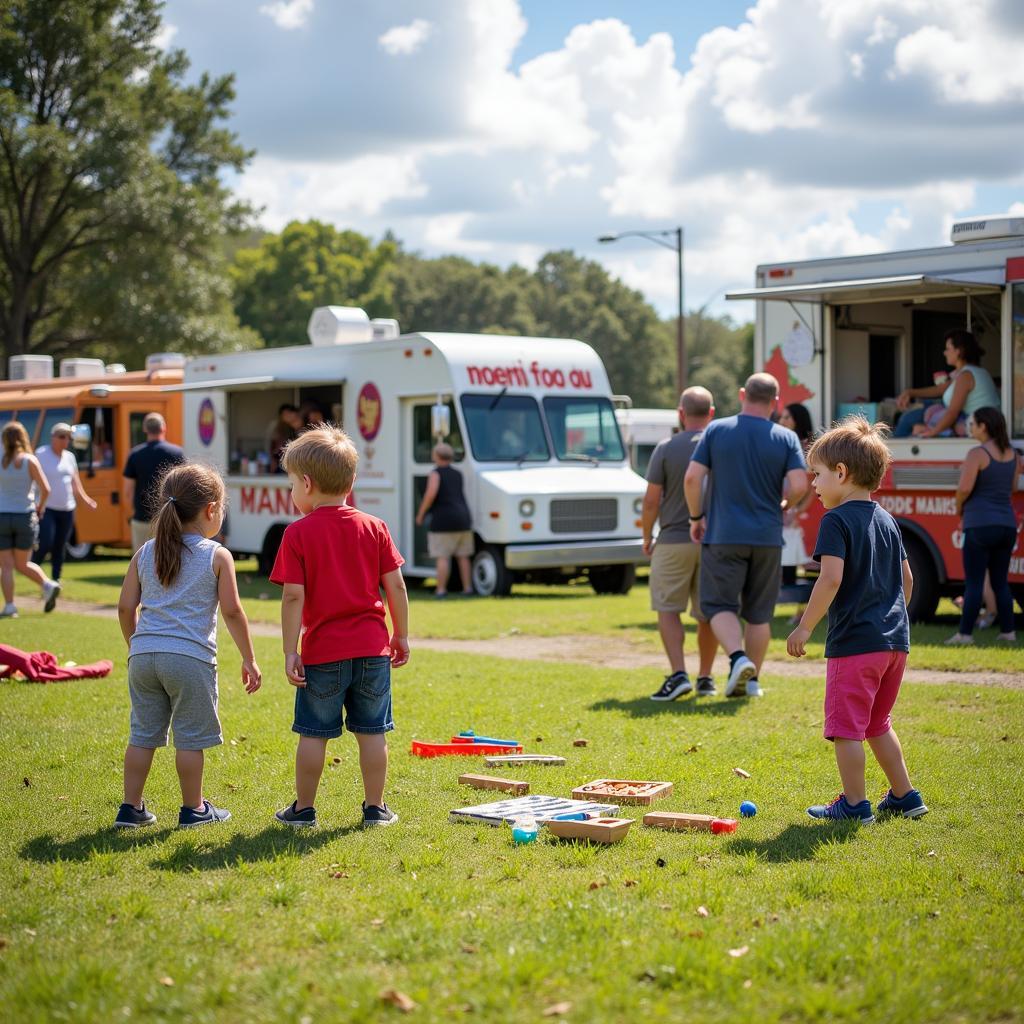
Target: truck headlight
point(527, 508)
point(638, 505)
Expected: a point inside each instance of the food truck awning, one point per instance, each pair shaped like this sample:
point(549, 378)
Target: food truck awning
point(904, 286)
point(274, 380)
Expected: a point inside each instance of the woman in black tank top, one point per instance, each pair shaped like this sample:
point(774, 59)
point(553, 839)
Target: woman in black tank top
point(450, 531)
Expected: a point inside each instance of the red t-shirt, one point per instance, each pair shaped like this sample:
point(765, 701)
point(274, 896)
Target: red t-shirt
point(339, 555)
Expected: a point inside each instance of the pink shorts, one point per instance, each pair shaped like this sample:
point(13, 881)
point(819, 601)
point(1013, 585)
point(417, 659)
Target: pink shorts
point(860, 691)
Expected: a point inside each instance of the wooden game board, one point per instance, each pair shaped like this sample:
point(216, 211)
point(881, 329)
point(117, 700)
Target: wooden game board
point(541, 807)
point(624, 791)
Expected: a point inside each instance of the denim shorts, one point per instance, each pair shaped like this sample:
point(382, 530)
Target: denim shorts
point(18, 530)
point(360, 686)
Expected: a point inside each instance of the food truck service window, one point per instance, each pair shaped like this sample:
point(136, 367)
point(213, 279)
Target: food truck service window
point(505, 428)
point(584, 428)
point(1017, 426)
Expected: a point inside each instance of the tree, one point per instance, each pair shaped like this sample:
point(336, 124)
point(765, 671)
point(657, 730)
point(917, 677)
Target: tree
point(278, 284)
point(721, 357)
point(112, 212)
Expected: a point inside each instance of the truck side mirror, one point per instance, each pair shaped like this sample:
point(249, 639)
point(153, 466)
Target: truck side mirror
point(440, 420)
point(81, 437)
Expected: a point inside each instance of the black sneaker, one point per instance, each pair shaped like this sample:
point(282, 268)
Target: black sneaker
point(189, 817)
point(706, 686)
point(378, 817)
point(306, 818)
point(741, 672)
point(676, 685)
point(132, 817)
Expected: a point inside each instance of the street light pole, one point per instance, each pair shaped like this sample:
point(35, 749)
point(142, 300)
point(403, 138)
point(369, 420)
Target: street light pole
point(661, 238)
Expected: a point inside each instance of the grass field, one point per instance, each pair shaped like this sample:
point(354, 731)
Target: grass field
point(899, 922)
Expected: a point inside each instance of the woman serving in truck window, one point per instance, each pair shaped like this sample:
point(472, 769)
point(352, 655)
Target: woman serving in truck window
point(971, 387)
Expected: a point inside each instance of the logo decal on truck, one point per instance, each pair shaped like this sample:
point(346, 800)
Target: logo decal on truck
point(520, 376)
point(369, 411)
point(277, 500)
point(207, 422)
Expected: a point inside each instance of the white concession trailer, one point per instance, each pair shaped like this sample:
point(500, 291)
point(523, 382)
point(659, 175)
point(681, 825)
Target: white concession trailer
point(547, 476)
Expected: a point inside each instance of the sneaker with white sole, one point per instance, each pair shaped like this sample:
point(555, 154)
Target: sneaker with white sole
point(129, 816)
point(753, 687)
point(910, 805)
point(378, 817)
point(51, 590)
point(706, 686)
point(9, 612)
point(189, 817)
point(959, 640)
point(842, 810)
point(676, 685)
point(742, 671)
point(306, 818)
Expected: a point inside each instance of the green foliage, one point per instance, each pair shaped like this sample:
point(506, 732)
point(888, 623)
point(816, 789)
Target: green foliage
point(112, 211)
point(278, 283)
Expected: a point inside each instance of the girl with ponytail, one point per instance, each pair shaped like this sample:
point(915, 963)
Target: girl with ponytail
point(179, 578)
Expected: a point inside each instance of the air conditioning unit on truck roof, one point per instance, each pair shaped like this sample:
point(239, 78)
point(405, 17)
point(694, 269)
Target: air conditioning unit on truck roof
point(980, 229)
point(30, 367)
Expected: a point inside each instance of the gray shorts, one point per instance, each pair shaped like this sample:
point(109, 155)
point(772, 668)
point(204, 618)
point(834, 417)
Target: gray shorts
point(740, 578)
point(18, 530)
point(173, 690)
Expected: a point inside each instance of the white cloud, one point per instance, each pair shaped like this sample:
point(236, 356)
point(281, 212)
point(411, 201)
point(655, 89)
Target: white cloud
point(163, 38)
point(288, 14)
point(404, 40)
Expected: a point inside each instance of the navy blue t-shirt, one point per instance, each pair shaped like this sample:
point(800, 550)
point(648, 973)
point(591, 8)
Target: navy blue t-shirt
point(145, 463)
point(868, 613)
point(749, 457)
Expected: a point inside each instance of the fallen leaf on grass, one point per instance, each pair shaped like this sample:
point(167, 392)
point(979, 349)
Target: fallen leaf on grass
point(740, 951)
point(167, 981)
point(468, 947)
point(630, 882)
point(399, 999)
point(934, 913)
point(664, 906)
point(695, 934)
point(25, 781)
point(377, 922)
point(703, 912)
point(3, 943)
point(30, 931)
point(339, 874)
point(703, 859)
point(693, 749)
point(234, 743)
point(597, 885)
point(741, 773)
point(930, 853)
point(556, 1009)
point(748, 983)
point(579, 743)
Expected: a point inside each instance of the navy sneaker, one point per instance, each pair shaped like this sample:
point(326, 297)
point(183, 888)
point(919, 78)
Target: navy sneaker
point(131, 817)
point(842, 810)
point(378, 817)
point(306, 818)
point(910, 806)
point(189, 817)
point(706, 686)
point(741, 672)
point(676, 685)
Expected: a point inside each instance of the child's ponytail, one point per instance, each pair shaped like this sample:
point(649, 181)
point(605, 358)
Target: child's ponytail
point(183, 494)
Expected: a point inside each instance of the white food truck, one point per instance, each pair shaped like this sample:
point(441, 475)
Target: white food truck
point(643, 430)
point(849, 334)
point(546, 475)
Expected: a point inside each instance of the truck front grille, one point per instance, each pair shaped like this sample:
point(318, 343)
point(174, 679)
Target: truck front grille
point(584, 515)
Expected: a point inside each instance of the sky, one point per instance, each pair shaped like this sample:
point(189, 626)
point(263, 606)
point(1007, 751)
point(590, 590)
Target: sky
point(499, 130)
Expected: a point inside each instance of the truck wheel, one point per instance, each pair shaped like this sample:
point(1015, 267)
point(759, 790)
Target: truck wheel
point(925, 598)
point(613, 579)
point(266, 557)
point(490, 577)
point(78, 552)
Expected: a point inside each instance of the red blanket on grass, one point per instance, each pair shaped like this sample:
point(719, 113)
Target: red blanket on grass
point(42, 667)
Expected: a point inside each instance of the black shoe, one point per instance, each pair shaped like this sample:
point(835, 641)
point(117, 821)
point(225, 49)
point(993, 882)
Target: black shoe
point(189, 817)
point(132, 817)
point(306, 818)
point(676, 685)
point(706, 686)
point(378, 817)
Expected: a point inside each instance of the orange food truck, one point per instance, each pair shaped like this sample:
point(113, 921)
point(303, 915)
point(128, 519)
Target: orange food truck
point(107, 404)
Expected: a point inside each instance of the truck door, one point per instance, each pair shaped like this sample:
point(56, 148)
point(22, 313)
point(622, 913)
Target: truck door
point(100, 469)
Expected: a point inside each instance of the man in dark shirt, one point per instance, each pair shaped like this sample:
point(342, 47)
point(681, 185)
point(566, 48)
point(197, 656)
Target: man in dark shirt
point(144, 468)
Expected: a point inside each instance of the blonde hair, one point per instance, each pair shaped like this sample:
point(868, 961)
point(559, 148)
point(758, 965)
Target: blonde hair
point(324, 453)
point(183, 494)
point(858, 445)
point(15, 438)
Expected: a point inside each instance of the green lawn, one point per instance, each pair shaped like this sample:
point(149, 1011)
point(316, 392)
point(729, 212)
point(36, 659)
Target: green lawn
point(553, 611)
point(900, 922)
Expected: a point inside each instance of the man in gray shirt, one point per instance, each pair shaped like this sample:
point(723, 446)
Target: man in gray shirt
point(675, 559)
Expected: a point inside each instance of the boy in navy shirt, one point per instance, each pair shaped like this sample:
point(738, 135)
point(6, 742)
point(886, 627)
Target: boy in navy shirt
point(864, 585)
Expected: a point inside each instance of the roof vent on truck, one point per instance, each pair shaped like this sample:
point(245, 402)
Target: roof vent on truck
point(165, 361)
point(78, 366)
point(30, 367)
point(980, 229)
point(338, 325)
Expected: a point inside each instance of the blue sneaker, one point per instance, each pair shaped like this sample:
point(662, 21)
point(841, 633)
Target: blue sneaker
point(131, 817)
point(842, 810)
point(910, 805)
point(189, 817)
point(378, 817)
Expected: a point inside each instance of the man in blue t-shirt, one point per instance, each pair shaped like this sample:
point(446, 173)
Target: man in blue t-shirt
point(145, 467)
point(753, 464)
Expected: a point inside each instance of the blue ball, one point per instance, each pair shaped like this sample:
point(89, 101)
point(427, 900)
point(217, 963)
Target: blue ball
point(748, 809)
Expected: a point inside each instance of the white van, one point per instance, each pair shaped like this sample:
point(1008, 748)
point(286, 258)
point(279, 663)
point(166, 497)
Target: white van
point(546, 474)
point(643, 430)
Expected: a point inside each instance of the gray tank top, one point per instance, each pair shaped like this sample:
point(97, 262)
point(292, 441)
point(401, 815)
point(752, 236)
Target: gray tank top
point(989, 504)
point(16, 487)
point(181, 618)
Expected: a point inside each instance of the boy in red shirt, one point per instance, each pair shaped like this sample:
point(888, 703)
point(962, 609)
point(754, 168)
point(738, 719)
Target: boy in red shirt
point(332, 563)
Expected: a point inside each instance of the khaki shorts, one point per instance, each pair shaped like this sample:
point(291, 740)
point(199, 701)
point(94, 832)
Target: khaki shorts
point(675, 579)
point(445, 545)
point(141, 532)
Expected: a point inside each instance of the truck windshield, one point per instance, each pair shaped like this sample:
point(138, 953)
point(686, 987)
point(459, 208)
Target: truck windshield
point(583, 429)
point(505, 428)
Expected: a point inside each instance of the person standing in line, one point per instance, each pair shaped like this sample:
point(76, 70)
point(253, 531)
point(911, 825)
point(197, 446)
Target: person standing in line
point(142, 473)
point(756, 468)
point(675, 559)
point(23, 494)
point(451, 524)
point(66, 490)
point(864, 586)
point(179, 578)
point(795, 417)
point(984, 499)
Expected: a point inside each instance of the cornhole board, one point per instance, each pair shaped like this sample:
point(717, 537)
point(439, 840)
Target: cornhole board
point(705, 822)
point(493, 782)
point(493, 762)
point(596, 830)
point(625, 791)
point(542, 808)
